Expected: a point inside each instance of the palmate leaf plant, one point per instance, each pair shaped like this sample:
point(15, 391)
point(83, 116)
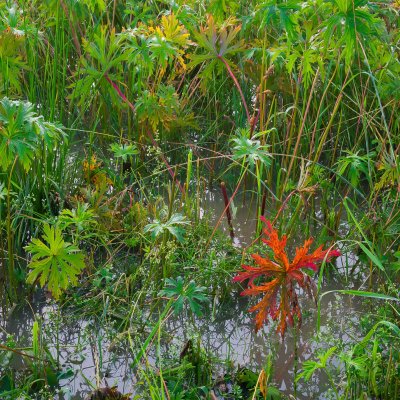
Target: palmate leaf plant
point(250, 151)
point(12, 51)
point(24, 137)
point(217, 44)
point(124, 151)
point(353, 165)
point(349, 24)
point(173, 226)
point(22, 132)
point(160, 107)
point(281, 15)
point(80, 222)
point(54, 262)
point(191, 294)
point(252, 155)
point(169, 42)
point(310, 367)
point(276, 279)
point(102, 62)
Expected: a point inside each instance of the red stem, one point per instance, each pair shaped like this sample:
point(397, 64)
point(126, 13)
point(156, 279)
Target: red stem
point(232, 75)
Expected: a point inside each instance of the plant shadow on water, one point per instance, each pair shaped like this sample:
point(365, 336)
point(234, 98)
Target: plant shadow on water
point(90, 358)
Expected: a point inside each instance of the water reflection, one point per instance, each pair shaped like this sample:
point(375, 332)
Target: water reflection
point(88, 351)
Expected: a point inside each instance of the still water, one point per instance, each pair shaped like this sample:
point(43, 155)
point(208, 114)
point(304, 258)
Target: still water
point(90, 356)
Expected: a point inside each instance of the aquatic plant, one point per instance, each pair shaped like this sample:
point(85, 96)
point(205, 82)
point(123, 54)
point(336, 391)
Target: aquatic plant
point(56, 263)
point(190, 293)
point(172, 226)
point(280, 301)
point(294, 106)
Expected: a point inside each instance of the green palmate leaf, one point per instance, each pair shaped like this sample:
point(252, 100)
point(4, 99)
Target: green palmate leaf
point(353, 165)
point(104, 59)
point(280, 15)
point(81, 217)
point(310, 367)
point(350, 23)
point(17, 136)
point(124, 150)
point(250, 151)
point(54, 261)
point(215, 44)
point(173, 226)
point(192, 294)
point(22, 131)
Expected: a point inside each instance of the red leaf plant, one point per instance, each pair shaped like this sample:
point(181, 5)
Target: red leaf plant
point(280, 300)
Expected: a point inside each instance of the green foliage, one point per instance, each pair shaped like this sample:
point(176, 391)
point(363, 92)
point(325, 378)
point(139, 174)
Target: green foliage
point(54, 261)
point(173, 226)
point(22, 132)
point(352, 166)
point(102, 60)
point(281, 14)
point(3, 191)
point(351, 25)
point(310, 367)
point(318, 152)
point(124, 151)
point(12, 51)
point(222, 9)
point(191, 294)
point(250, 151)
point(82, 219)
point(158, 108)
point(215, 43)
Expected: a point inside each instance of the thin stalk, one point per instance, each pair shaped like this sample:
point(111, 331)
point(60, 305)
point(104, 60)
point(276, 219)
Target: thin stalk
point(235, 81)
point(10, 236)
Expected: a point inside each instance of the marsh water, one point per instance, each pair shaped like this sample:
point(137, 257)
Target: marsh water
point(90, 357)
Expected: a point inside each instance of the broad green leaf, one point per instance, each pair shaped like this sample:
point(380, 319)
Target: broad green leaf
point(54, 261)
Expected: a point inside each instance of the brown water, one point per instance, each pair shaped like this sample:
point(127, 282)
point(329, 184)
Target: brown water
point(227, 334)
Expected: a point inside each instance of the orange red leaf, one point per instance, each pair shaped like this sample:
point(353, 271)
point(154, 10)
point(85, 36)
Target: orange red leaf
point(280, 301)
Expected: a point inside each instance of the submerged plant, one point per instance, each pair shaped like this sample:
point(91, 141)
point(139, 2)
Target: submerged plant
point(280, 300)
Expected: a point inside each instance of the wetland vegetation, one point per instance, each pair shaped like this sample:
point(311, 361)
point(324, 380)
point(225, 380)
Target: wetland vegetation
point(199, 199)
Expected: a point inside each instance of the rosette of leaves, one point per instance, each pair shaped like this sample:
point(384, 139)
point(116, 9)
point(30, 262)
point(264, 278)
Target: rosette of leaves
point(54, 262)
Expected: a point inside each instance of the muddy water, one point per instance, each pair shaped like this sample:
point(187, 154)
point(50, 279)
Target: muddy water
point(91, 359)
